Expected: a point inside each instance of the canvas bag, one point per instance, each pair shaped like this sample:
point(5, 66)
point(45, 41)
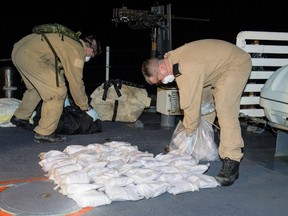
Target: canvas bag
point(119, 100)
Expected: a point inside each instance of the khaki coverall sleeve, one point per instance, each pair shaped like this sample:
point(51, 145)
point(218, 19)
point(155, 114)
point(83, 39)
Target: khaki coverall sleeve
point(74, 75)
point(190, 91)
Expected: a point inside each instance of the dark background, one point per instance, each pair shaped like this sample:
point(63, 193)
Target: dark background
point(129, 47)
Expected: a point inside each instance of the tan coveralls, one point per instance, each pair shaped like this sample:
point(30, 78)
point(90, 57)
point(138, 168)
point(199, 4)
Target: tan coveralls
point(223, 69)
point(35, 61)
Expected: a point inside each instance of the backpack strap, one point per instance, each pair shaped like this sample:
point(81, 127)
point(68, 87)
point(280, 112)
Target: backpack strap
point(56, 58)
point(117, 86)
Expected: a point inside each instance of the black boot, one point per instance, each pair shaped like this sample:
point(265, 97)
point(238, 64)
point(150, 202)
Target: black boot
point(52, 138)
point(229, 172)
point(25, 124)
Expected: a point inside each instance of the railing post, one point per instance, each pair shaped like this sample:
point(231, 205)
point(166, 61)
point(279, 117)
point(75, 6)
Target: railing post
point(107, 62)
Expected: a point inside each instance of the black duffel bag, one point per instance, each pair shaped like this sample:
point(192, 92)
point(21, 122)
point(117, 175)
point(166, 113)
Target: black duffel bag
point(73, 121)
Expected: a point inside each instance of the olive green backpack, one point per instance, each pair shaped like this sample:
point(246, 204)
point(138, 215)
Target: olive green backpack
point(57, 28)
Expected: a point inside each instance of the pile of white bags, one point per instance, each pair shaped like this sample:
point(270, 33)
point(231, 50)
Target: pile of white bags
point(98, 174)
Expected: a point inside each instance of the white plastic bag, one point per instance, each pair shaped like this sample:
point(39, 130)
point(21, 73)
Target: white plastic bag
point(201, 145)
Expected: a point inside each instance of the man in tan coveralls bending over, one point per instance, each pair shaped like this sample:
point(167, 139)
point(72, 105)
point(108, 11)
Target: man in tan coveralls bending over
point(45, 61)
point(203, 68)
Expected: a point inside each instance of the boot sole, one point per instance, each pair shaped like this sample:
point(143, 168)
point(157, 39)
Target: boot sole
point(227, 182)
point(44, 141)
point(48, 141)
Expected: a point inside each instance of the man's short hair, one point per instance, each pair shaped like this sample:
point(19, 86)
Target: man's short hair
point(94, 43)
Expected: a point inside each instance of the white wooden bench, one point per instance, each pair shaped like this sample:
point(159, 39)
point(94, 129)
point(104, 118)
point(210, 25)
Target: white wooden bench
point(268, 55)
point(269, 51)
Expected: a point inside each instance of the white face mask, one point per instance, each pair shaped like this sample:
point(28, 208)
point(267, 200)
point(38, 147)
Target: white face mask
point(87, 58)
point(168, 79)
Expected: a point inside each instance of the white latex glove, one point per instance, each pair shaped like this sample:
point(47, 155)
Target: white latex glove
point(92, 112)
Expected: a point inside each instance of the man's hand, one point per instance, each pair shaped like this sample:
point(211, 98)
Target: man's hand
point(92, 112)
point(189, 132)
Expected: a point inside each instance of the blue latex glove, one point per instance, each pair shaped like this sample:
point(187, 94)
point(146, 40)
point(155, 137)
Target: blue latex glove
point(66, 102)
point(92, 112)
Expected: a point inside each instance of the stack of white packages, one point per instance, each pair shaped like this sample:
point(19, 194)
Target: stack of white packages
point(98, 174)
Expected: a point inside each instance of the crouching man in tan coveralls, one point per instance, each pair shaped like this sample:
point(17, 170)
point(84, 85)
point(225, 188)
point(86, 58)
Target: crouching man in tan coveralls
point(205, 67)
point(45, 62)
